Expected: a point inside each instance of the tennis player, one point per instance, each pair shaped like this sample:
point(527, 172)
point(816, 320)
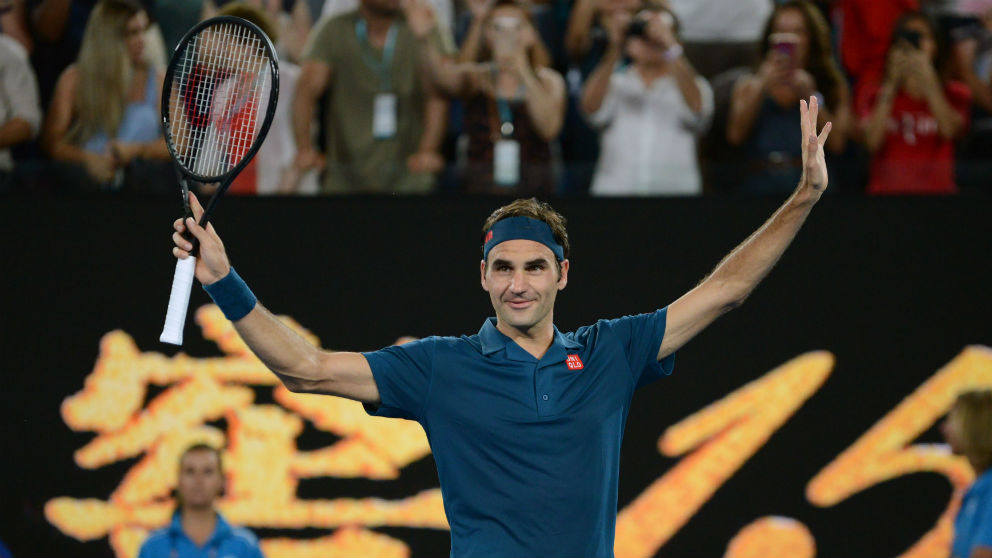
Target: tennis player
point(525, 422)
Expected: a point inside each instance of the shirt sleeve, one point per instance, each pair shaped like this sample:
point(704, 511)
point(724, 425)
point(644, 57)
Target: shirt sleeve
point(403, 375)
point(641, 338)
point(698, 122)
point(320, 43)
point(19, 87)
point(608, 109)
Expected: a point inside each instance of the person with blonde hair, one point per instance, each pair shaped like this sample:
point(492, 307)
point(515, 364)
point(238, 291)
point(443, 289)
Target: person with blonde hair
point(968, 430)
point(104, 113)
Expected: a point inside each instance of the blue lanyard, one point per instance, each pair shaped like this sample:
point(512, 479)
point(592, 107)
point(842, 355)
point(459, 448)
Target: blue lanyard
point(382, 67)
point(505, 117)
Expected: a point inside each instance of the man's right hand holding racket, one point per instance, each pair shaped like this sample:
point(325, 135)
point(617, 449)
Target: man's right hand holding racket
point(212, 264)
point(301, 366)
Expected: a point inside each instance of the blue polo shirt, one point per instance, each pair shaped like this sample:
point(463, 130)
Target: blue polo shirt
point(225, 542)
point(973, 525)
point(527, 450)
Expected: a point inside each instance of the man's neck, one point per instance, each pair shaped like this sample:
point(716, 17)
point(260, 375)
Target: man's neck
point(535, 340)
point(199, 524)
point(378, 24)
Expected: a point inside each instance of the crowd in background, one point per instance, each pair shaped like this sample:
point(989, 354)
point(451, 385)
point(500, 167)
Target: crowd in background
point(554, 97)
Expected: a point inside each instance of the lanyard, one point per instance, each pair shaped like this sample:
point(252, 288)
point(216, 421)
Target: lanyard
point(503, 108)
point(382, 67)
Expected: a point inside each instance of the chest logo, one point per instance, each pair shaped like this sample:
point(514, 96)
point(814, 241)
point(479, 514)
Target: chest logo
point(573, 362)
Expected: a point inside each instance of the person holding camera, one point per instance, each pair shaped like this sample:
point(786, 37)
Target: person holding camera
point(650, 112)
point(197, 529)
point(797, 62)
point(514, 104)
point(911, 119)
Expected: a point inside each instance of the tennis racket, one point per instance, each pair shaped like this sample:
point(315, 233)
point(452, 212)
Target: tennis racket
point(218, 100)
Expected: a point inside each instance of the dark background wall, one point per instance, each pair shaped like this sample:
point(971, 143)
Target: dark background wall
point(895, 288)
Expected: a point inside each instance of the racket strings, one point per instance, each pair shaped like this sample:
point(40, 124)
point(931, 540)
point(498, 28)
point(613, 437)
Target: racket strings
point(218, 90)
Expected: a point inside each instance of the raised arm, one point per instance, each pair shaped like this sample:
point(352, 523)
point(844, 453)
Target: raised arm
point(315, 76)
point(442, 74)
point(299, 365)
point(739, 273)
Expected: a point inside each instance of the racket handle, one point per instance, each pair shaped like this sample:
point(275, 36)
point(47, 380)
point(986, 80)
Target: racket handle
point(175, 318)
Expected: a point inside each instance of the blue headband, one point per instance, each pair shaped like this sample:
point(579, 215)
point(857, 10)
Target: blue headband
point(525, 228)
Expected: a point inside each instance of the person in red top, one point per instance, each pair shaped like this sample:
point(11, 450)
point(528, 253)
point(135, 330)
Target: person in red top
point(866, 26)
point(911, 118)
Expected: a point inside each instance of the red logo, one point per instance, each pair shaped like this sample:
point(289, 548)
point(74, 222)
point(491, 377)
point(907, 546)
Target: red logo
point(489, 236)
point(573, 362)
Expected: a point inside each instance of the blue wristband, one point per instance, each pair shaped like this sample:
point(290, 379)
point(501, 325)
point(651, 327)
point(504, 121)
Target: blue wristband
point(232, 295)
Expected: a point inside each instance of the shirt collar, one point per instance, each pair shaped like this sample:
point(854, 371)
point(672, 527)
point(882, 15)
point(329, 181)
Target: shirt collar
point(983, 483)
point(221, 530)
point(493, 340)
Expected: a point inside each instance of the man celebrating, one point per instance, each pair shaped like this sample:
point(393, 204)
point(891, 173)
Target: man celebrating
point(525, 422)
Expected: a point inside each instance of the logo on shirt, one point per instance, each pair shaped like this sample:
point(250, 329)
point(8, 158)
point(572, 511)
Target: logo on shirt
point(489, 236)
point(573, 362)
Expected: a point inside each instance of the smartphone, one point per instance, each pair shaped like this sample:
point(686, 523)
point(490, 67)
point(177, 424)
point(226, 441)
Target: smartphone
point(784, 44)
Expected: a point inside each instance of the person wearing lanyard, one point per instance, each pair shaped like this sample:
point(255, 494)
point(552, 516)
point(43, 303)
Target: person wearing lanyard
point(968, 430)
point(197, 530)
point(514, 103)
point(383, 125)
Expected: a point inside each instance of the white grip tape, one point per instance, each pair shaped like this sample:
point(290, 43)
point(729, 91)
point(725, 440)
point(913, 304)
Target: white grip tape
point(175, 319)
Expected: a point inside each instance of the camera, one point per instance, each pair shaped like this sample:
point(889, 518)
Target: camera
point(909, 36)
point(638, 27)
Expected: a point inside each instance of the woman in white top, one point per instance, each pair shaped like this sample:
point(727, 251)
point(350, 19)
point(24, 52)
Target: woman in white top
point(650, 112)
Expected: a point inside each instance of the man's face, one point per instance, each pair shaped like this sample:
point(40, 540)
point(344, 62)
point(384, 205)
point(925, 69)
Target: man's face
point(951, 429)
point(382, 7)
point(522, 281)
point(200, 479)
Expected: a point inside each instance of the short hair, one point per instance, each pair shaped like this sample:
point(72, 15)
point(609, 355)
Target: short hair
point(974, 413)
point(534, 209)
point(200, 446)
point(254, 14)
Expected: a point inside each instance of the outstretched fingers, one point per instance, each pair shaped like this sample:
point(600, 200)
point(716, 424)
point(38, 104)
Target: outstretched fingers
point(825, 132)
point(803, 119)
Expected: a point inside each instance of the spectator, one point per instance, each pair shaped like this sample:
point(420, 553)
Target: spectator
point(797, 62)
point(913, 116)
point(383, 126)
point(586, 42)
point(651, 111)
point(444, 9)
point(514, 103)
point(197, 529)
point(105, 114)
point(968, 430)
point(266, 173)
point(291, 20)
point(722, 34)
point(973, 57)
point(14, 22)
point(865, 28)
point(20, 114)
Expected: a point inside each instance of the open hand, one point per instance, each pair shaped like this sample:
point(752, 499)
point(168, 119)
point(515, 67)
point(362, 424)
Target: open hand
point(814, 163)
